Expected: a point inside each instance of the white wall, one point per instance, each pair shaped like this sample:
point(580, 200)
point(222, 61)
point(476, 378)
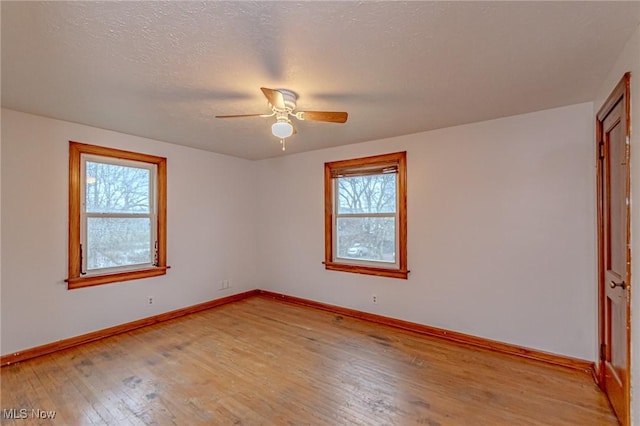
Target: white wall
point(211, 233)
point(501, 223)
point(629, 60)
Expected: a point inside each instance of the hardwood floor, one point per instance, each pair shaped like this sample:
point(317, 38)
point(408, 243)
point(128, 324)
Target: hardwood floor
point(265, 362)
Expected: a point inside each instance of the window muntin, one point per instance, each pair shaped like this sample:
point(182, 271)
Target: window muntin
point(365, 215)
point(117, 215)
point(118, 218)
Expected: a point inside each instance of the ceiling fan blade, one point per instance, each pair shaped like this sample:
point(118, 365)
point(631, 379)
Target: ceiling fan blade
point(330, 116)
point(243, 115)
point(274, 97)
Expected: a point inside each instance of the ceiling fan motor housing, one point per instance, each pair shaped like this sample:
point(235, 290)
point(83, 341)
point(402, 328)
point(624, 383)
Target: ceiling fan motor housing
point(290, 99)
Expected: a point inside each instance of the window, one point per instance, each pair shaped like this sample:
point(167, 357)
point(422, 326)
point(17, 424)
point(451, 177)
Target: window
point(366, 215)
point(117, 215)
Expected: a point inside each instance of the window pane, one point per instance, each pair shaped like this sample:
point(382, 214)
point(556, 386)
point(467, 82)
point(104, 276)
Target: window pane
point(112, 188)
point(367, 194)
point(367, 238)
point(116, 242)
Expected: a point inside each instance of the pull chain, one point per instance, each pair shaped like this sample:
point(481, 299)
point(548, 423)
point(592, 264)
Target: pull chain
point(283, 143)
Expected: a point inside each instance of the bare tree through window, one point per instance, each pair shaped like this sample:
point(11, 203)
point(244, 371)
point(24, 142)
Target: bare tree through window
point(119, 207)
point(366, 217)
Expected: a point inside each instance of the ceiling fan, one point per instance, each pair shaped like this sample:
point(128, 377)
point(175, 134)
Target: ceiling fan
point(283, 103)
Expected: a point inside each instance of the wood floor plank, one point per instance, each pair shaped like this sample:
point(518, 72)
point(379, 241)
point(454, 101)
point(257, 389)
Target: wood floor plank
point(264, 362)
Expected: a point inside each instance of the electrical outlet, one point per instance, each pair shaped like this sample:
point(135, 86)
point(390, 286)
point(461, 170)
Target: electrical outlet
point(150, 300)
point(228, 283)
point(374, 299)
point(221, 285)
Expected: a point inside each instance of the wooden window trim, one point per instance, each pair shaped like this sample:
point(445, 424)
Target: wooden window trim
point(401, 159)
point(75, 279)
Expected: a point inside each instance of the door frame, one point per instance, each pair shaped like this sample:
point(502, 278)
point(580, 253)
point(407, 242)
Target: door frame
point(621, 91)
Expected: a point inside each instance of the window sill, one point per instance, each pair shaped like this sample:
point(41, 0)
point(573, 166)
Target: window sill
point(367, 270)
point(80, 282)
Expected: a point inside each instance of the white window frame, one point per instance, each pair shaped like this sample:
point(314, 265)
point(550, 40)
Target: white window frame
point(336, 215)
point(84, 215)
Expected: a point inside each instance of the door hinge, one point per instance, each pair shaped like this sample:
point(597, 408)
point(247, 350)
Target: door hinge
point(601, 150)
point(602, 350)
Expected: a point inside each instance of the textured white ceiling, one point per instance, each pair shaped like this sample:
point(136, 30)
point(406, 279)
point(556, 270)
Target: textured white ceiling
point(163, 69)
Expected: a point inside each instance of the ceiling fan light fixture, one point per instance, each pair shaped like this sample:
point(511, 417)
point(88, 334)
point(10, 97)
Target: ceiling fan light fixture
point(283, 104)
point(282, 129)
